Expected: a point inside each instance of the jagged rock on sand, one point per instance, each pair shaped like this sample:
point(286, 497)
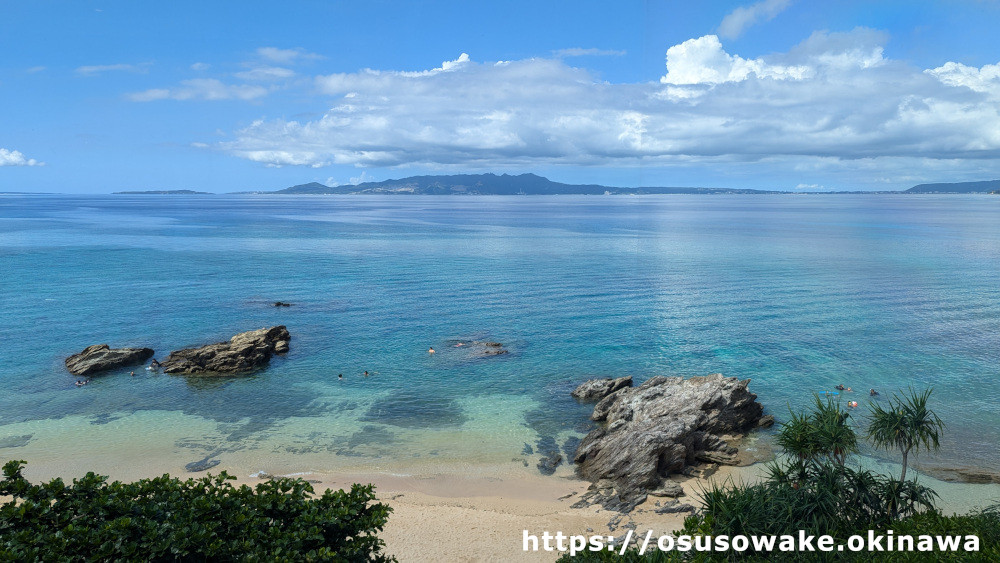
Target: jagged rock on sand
point(101, 357)
point(664, 426)
point(244, 352)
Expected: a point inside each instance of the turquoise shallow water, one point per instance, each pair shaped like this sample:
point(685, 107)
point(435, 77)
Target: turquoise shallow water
point(798, 293)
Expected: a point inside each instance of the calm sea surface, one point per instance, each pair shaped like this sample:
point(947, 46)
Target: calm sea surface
point(799, 293)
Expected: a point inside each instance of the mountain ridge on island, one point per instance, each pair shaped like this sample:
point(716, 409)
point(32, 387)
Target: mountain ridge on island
point(986, 187)
point(495, 184)
point(533, 184)
point(162, 192)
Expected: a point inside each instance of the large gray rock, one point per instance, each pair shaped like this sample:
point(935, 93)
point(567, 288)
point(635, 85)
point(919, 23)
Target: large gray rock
point(662, 427)
point(101, 357)
point(597, 389)
point(244, 352)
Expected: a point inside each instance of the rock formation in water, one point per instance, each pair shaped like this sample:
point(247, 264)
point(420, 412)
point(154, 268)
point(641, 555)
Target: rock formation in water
point(597, 389)
point(490, 348)
point(664, 426)
point(101, 357)
point(244, 352)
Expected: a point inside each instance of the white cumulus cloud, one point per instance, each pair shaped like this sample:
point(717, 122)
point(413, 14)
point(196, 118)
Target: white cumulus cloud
point(16, 158)
point(985, 79)
point(704, 61)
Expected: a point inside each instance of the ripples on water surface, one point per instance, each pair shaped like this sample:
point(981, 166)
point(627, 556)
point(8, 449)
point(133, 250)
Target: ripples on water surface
point(798, 293)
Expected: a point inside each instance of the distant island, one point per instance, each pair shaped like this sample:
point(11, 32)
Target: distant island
point(533, 184)
point(988, 187)
point(163, 192)
point(493, 184)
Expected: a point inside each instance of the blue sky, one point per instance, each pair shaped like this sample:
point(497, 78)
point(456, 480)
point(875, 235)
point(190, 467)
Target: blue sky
point(232, 96)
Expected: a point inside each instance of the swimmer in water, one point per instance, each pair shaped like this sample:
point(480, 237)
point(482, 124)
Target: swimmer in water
point(430, 351)
point(340, 376)
point(873, 392)
point(840, 387)
point(366, 373)
point(132, 374)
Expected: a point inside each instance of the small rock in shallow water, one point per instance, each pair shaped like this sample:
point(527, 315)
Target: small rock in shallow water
point(15, 441)
point(202, 464)
point(547, 465)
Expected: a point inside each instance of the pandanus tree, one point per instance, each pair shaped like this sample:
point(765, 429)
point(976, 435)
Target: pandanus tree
point(905, 424)
point(825, 432)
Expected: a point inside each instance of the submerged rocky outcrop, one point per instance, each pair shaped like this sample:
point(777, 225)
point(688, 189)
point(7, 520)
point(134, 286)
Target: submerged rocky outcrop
point(664, 426)
point(489, 348)
point(101, 357)
point(244, 352)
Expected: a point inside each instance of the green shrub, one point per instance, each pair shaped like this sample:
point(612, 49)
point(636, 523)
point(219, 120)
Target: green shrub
point(166, 519)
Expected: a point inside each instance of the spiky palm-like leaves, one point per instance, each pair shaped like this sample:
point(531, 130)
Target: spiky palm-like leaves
point(907, 424)
point(825, 432)
point(815, 495)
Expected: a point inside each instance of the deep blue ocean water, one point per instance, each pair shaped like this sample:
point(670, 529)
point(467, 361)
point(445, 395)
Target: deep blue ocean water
point(798, 293)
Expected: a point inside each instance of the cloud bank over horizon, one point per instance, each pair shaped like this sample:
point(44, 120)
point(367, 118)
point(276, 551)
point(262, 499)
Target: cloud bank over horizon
point(832, 99)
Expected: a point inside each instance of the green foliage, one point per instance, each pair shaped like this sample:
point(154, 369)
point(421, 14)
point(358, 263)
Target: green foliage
point(821, 497)
point(907, 424)
point(825, 432)
point(983, 523)
point(166, 519)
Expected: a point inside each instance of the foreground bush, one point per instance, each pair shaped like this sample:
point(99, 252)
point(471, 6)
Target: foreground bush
point(166, 519)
